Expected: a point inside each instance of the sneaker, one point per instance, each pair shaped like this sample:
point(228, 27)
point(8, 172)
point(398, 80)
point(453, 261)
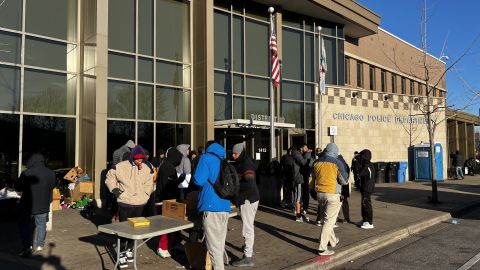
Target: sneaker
point(39, 249)
point(367, 226)
point(319, 222)
point(25, 252)
point(326, 252)
point(245, 262)
point(129, 255)
point(335, 225)
point(304, 212)
point(305, 218)
point(122, 262)
point(299, 219)
point(163, 253)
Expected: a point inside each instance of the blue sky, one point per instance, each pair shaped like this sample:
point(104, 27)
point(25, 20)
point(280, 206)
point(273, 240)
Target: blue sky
point(453, 23)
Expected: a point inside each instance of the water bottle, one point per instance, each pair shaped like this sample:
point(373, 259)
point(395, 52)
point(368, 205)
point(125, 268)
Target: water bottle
point(453, 221)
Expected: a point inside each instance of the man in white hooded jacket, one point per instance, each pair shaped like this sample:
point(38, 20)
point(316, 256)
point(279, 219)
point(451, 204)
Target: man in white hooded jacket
point(184, 170)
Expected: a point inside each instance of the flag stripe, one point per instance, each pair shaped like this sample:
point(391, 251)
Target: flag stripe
point(275, 62)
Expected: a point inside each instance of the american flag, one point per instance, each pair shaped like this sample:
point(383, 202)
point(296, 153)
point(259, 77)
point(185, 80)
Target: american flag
point(275, 62)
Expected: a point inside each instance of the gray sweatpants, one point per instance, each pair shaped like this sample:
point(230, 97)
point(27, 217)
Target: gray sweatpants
point(247, 213)
point(215, 228)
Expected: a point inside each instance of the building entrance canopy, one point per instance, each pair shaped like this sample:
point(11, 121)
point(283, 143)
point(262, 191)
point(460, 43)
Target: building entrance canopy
point(250, 123)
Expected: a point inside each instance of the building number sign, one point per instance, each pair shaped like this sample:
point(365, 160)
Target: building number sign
point(262, 150)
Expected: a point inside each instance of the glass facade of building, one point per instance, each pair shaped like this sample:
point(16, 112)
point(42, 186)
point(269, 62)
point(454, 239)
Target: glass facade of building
point(38, 82)
point(149, 74)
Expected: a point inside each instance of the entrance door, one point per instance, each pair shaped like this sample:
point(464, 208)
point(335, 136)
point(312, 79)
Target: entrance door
point(297, 140)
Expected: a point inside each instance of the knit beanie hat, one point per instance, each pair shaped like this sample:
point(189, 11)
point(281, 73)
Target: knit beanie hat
point(238, 148)
point(130, 144)
point(138, 153)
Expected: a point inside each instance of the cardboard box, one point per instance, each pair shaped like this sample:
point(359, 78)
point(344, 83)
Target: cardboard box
point(139, 222)
point(71, 175)
point(56, 205)
point(82, 188)
point(174, 209)
point(56, 194)
point(198, 256)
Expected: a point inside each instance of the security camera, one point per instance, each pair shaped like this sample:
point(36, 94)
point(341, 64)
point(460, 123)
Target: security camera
point(416, 100)
point(386, 97)
point(354, 94)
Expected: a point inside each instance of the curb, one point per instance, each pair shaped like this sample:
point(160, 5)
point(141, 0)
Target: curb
point(374, 243)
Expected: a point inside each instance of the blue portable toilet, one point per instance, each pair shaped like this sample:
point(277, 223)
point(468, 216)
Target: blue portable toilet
point(421, 159)
point(402, 172)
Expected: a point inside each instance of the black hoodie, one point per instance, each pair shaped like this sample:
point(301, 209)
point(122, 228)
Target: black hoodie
point(36, 184)
point(246, 168)
point(167, 180)
point(367, 172)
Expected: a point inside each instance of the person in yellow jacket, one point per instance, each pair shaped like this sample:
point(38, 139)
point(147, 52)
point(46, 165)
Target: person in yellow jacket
point(131, 181)
point(328, 175)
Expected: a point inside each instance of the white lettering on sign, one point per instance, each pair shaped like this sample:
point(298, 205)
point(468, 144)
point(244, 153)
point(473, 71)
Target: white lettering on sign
point(266, 118)
point(422, 154)
point(262, 150)
point(419, 120)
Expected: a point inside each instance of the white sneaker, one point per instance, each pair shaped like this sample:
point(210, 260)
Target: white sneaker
point(326, 252)
point(129, 255)
point(367, 226)
point(335, 225)
point(163, 253)
point(39, 248)
point(122, 263)
point(299, 219)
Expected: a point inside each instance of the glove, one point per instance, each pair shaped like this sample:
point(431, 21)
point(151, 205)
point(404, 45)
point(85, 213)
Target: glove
point(117, 192)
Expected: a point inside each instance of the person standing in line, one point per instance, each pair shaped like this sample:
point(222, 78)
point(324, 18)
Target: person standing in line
point(457, 163)
point(298, 161)
point(345, 194)
point(367, 188)
point(149, 210)
point(184, 170)
point(287, 178)
point(355, 169)
point(122, 153)
point(131, 181)
point(36, 184)
point(193, 156)
point(167, 189)
point(215, 209)
point(306, 171)
point(248, 198)
point(329, 173)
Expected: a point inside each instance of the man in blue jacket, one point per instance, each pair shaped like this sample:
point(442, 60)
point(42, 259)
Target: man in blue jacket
point(215, 209)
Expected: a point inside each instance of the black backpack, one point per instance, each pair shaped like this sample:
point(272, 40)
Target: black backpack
point(227, 183)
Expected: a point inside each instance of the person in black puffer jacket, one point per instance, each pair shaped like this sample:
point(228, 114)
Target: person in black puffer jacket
point(36, 184)
point(247, 200)
point(345, 194)
point(167, 189)
point(367, 186)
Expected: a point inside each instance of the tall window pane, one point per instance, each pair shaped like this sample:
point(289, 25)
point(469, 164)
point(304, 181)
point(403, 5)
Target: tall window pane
point(292, 54)
point(169, 135)
point(145, 70)
point(310, 115)
point(257, 106)
point(9, 88)
point(292, 90)
point(121, 25)
point(309, 57)
point(58, 22)
point(223, 107)
point(121, 100)
point(256, 47)
point(293, 113)
point(45, 53)
point(331, 52)
point(48, 92)
point(238, 39)
point(118, 133)
point(9, 151)
point(173, 30)
point(169, 73)
point(238, 85)
point(121, 66)
point(11, 14)
point(145, 27)
point(258, 87)
point(10, 47)
point(222, 82)
point(238, 108)
point(57, 137)
point(173, 104)
point(145, 102)
point(145, 136)
point(341, 63)
point(360, 74)
point(222, 40)
point(310, 92)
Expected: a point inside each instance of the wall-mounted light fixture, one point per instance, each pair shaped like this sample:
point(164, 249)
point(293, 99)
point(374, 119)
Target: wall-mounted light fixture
point(354, 94)
point(416, 100)
point(386, 97)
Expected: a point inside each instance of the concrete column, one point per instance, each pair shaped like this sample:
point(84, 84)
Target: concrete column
point(203, 70)
point(470, 141)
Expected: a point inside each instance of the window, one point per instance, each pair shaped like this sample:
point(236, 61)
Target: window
point(412, 88)
point(403, 82)
point(347, 71)
point(383, 79)
point(394, 83)
point(420, 89)
point(372, 77)
point(360, 74)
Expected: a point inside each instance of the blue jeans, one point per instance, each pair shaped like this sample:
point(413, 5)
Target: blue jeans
point(459, 172)
point(28, 224)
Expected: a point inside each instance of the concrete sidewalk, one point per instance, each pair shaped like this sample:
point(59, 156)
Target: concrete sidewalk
point(280, 243)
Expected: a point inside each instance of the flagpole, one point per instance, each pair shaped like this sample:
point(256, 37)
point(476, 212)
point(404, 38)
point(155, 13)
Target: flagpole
point(320, 118)
point(272, 93)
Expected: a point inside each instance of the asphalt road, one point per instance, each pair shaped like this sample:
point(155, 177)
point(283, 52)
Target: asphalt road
point(443, 246)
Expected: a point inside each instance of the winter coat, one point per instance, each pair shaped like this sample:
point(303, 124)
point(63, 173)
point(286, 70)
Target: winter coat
point(292, 164)
point(457, 160)
point(167, 180)
point(36, 184)
point(184, 170)
point(136, 185)
point(206, 173)
point(329, 173)
point(246, 168)
point(121, 154)
point(366, 173)
point(306, 168)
